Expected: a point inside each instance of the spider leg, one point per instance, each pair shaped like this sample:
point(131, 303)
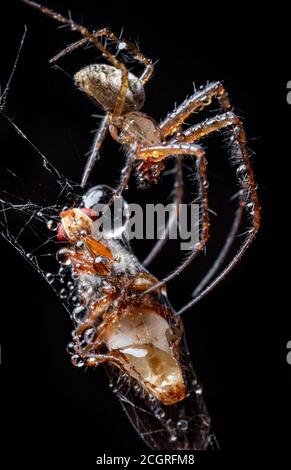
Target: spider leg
point(223, 253)
point(121, 43)
point(178, 197)
point(70, 48)
point(198, 101)
point(248, 194)
point(195, 133)
point(98, 139)
point(117, 112)
point(125, 175)
point(174, 149)
point(136, 53)
point(156, 153)
point(123, 182)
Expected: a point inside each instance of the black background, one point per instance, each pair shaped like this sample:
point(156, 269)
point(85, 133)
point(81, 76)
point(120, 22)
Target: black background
point(238, 334)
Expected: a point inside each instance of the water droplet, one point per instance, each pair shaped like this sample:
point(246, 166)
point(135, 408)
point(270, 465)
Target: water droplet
point(50, 278)
point(63, 258)
point(251, 207)
point(70, 285)
point(79, 314)
point(89, 335)
point(91, 361)
point(206, 184)
point(79, 243)
point(52, 225)
point(164, 291)
point(159, 413)
point(182, 425)
point(122, 45)
point(241, 171)
point(77, 360)
point(29, 255)
point(70, 348)
point(115, 219)
point(173, 438)
point(85, 288)
point(205, 420)
point(198, 390)
point(63, 294)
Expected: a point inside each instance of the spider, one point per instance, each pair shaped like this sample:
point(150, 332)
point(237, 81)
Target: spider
point(121, 94)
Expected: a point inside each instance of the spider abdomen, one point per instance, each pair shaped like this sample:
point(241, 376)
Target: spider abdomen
point(102, 82)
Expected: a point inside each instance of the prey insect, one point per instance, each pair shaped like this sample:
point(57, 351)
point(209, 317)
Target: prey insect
point(121, 313)
point(138, 338)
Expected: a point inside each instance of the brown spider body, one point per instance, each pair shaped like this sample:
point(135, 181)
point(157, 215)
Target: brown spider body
point(102, 82)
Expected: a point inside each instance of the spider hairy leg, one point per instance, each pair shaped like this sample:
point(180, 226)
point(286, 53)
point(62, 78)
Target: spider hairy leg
point(248, 196)
point(245, 173)
point(91, 37)
point(121, 44)
point(195, 103)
